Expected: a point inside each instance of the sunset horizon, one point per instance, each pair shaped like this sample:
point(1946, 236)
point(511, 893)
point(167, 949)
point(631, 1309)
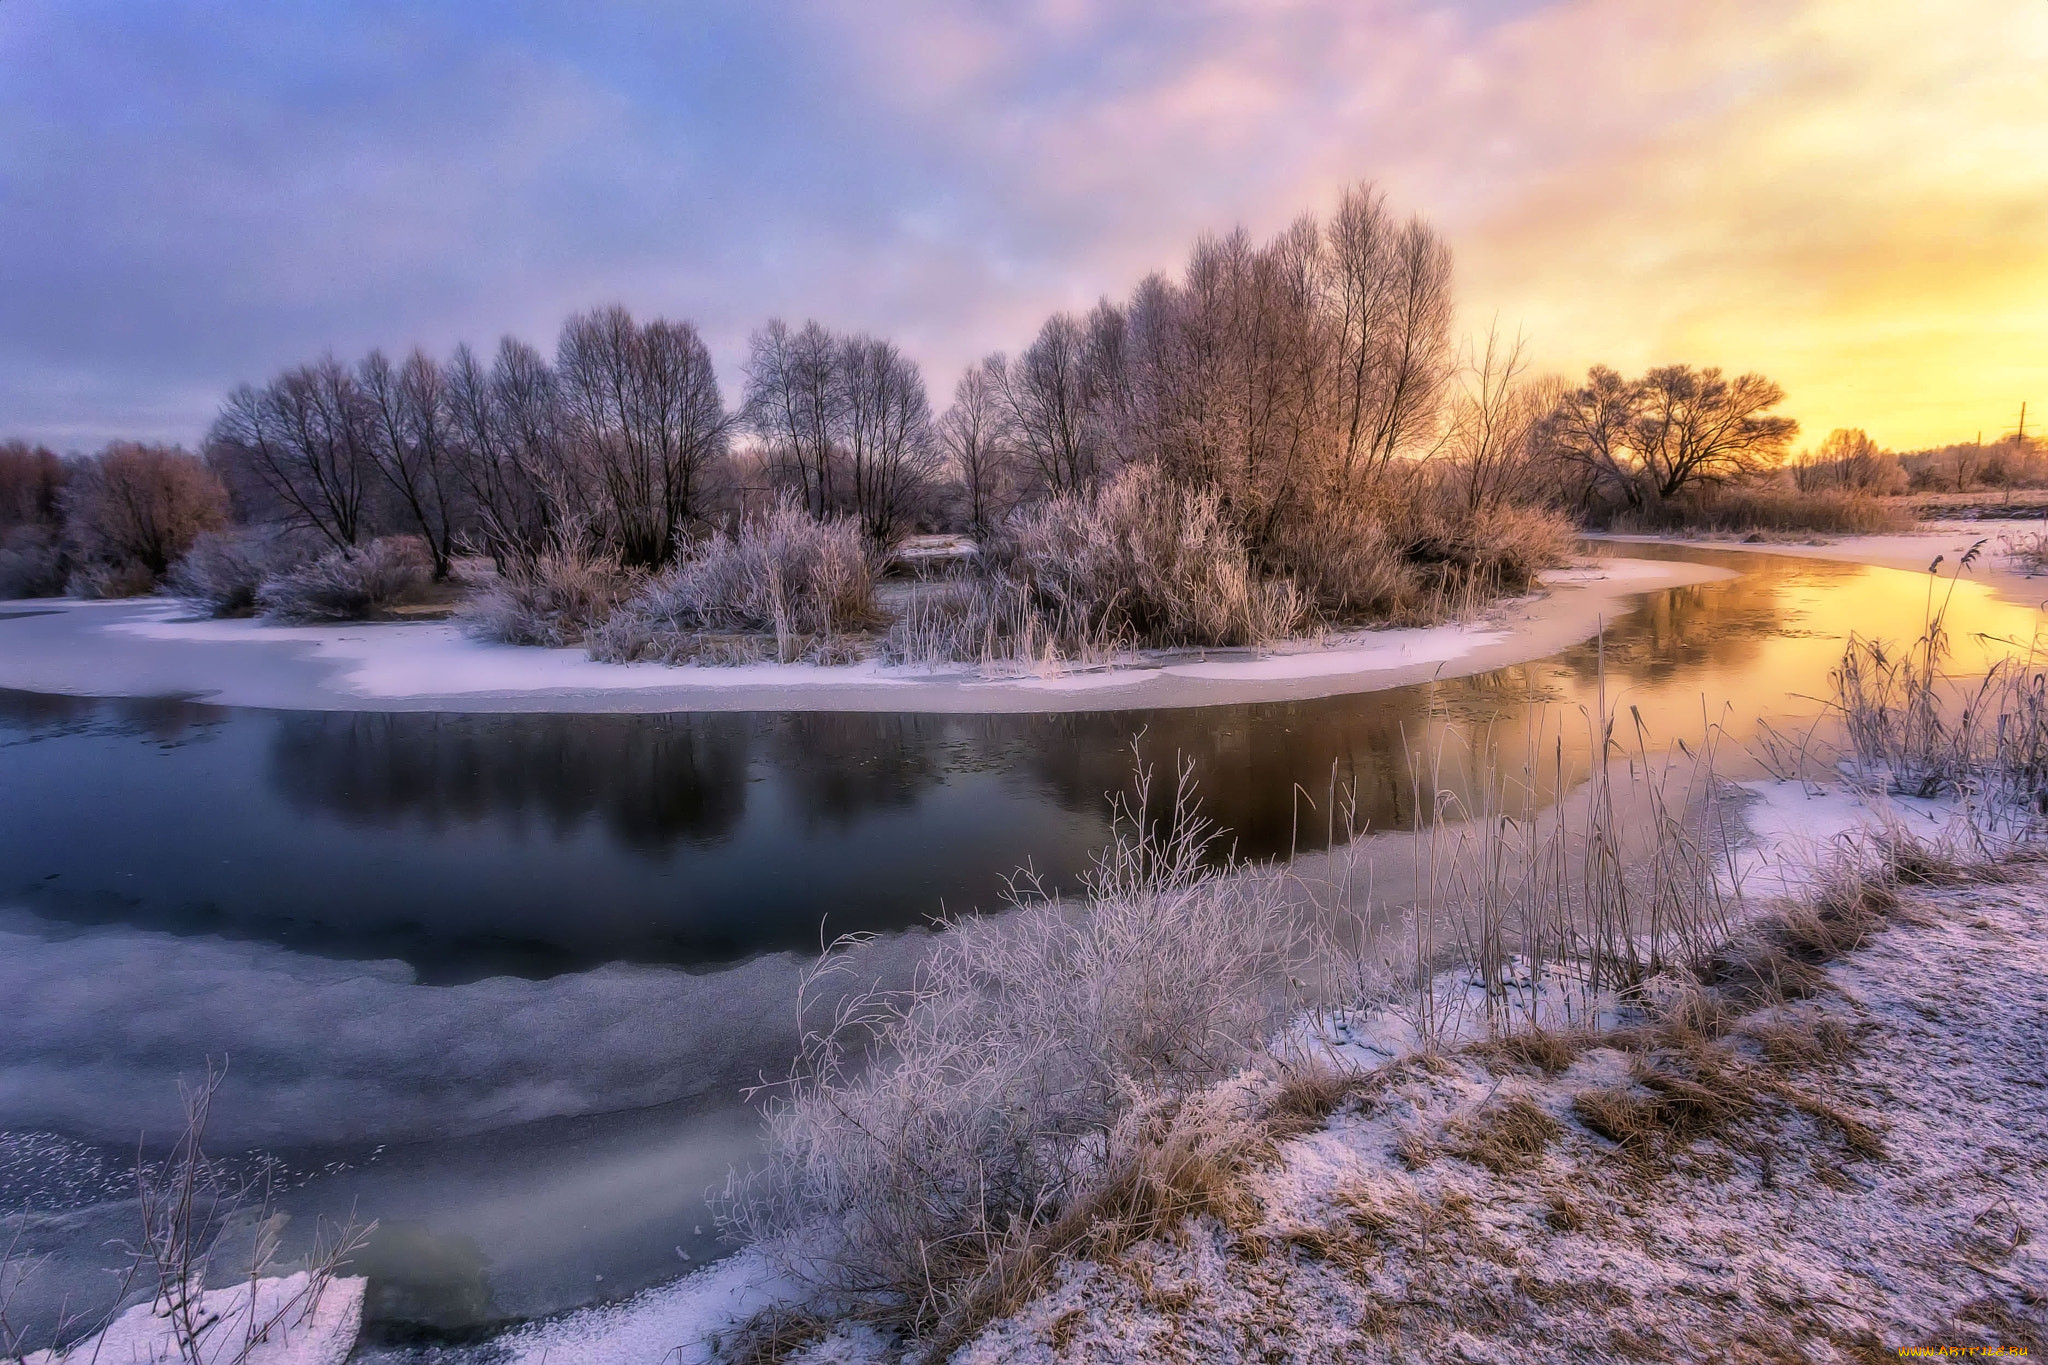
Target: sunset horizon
point(1849, 199)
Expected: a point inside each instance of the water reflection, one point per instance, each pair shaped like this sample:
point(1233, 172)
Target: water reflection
point(650, 781)
point(534, 844)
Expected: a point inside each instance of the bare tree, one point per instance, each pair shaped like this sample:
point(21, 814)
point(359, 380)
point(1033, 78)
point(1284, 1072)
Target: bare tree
point(1391, 301)
point(508, 506)
point(1849, 459)
point(1494, 418)
point(976, 437)
point(1594, 427)
point(411, 441)
point(31, 483)
point(792, 404)
point(1046, 391)
point(1698, 427)
point(301, 446)
point(891, 450)
point(646, 418)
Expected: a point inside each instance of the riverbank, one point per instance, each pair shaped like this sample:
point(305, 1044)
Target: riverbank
point(1873, 1179)
point(1842, 1176)
point(1912, 551)
point(157, 648)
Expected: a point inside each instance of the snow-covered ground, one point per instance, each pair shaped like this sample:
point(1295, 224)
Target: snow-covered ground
point(1912, 551)
point(156, 648)
point(1575, 1248)
point(1773, 1238)
point(277, 1320)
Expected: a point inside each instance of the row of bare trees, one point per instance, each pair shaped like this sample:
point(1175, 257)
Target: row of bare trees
point(1290, 380)
point(620, 439)
point(1292, 376)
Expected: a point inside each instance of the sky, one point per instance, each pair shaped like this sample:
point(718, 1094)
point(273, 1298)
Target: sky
point(1850, 196)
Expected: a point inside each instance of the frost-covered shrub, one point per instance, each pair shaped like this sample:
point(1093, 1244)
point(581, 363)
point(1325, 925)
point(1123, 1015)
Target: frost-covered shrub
point(32, 562)
point(101, 579)
point(1410, 547)
point(1146, 561)
point(932, 1133)
point(224, 570)
point(350, 584)
point(1496, 548)
point(555, 601)
point(804, 583)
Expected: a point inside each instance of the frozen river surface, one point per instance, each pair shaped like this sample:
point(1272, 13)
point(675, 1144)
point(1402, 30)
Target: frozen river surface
point(498, 980)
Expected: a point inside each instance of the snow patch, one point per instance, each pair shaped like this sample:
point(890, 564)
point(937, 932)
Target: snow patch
point(278, 1321)
point(675, 1323)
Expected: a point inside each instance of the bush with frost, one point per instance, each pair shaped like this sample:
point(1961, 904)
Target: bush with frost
point(224, 570)
point(931, 1137)
point(1147, 560)
point(32, 562)
point(554, 601)
point(348, 584)
point(783, 583)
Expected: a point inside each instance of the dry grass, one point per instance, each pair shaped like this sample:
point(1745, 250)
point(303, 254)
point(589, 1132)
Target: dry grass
point(783, 586)
point(1046, 1084)
point(1768, 508)
point(2026, 552)
point(1915, 728)
point(553, 602)
point(348, 585)
point(1546, 1050)
point(1504, 1136)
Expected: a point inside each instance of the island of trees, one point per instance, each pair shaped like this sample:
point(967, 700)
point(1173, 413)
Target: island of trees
point(1284, 436)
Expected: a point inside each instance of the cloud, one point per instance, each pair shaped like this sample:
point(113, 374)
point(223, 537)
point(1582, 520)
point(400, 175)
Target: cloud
point(1849, 196)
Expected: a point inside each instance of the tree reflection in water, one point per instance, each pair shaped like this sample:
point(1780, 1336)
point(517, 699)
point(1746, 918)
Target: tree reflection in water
point(701, 838)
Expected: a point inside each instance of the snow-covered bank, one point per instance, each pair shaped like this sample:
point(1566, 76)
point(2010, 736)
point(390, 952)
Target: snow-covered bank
point(155, 648)
point(679, 1323)
point(1872, 1186)
point(1912, 551)
point(1797, 833)
point(279, 1320)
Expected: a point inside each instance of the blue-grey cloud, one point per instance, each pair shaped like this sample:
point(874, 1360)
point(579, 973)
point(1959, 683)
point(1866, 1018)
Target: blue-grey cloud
point(198, 192)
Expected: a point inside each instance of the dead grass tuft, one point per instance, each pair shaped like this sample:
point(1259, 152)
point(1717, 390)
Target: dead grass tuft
point(1547, 1050)
point(1781, 958)
point(1802, 1040)
point(1682, 1094)
point(1505, 1136)
point(1307, 1096)
point(1565, 1214)
point(1413, 1148)
point(1176, 1162)
point(772, 1337)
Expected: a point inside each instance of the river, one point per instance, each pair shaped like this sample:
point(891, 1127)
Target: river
point(497, 981)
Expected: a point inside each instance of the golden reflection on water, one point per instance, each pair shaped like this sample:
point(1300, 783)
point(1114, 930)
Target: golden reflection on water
point(1718, 656)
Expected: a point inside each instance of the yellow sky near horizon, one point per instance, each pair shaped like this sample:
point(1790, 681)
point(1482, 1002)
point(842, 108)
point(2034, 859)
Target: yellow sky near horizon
point(1862, 215)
